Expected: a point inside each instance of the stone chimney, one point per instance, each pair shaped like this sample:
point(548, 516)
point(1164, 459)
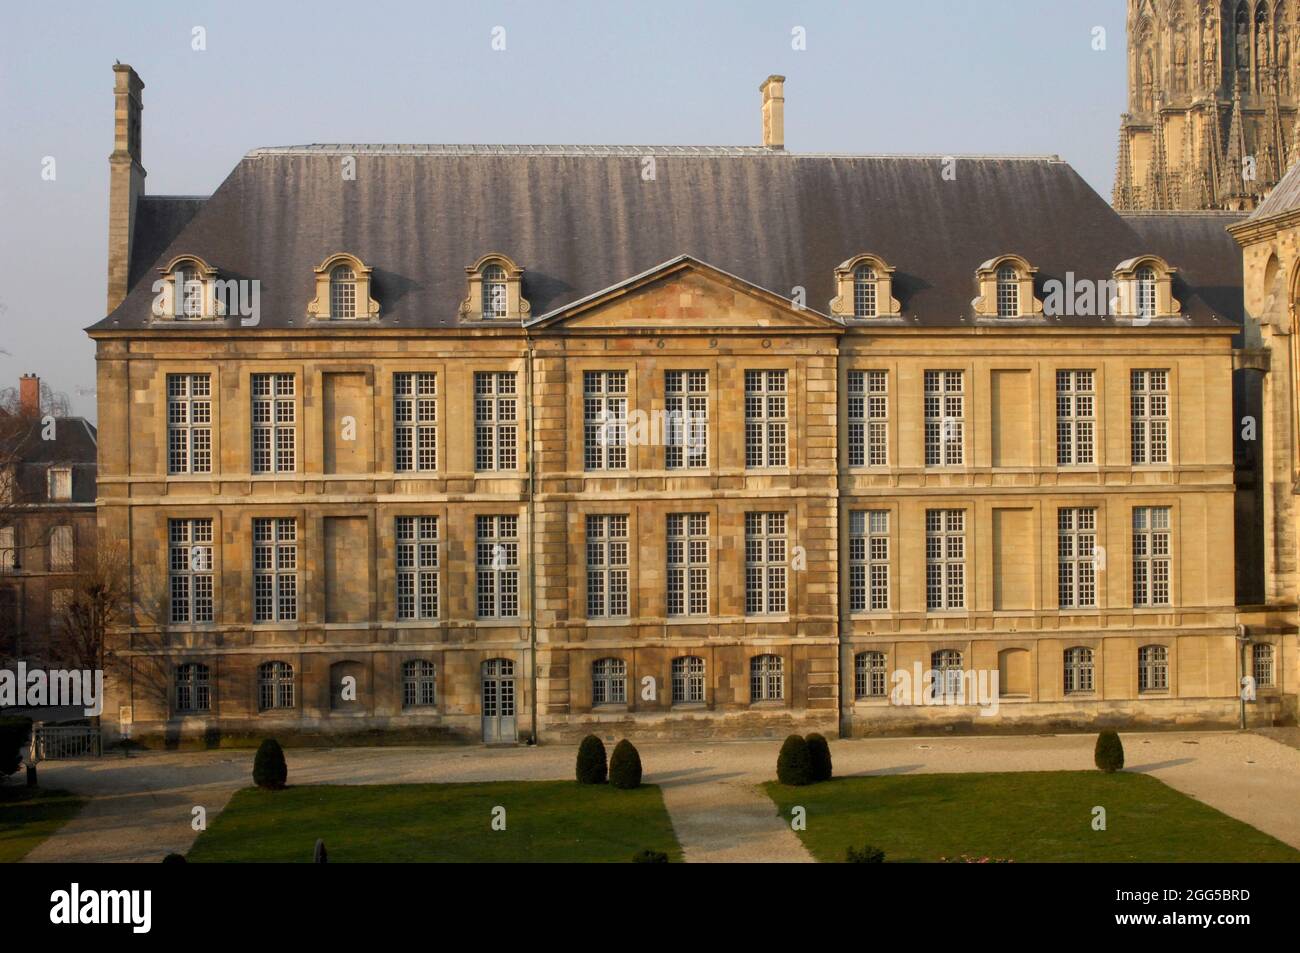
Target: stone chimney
point(29, 395)
point(125, 178)
point(773, 90)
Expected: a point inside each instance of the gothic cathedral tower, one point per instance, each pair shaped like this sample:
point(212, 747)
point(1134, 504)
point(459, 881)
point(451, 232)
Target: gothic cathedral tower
point(1212, 104)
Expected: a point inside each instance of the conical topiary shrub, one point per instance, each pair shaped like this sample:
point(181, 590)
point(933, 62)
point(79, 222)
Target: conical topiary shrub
point(591, 761)
point(649, 857)
point(1110, 752)
point(625, 766)
point(819, 753)
point(269, 769)
point(320, 855)
point(794, 764)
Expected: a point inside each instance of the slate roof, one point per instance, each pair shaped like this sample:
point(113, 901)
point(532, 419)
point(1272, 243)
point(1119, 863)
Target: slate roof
point(75, 445)
point(1285, 196)
point(1199, 246)
point(579, 219)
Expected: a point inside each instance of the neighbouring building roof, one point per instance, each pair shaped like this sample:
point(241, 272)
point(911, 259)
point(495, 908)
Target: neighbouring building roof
point(579, 219)
point(74, 444)
point(1284, 198)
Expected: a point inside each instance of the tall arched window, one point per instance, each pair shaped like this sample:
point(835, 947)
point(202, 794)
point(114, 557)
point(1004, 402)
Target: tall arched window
point(1078, 670)
point(1146, 292)
point(274, 686)
point(1008, 292)
point(869, 675)
point(193, 688)
point(766, 678)
point(688, 680)
point(609, 682)
point(864, 292)
point(419, 684)
point(946, 665)
point(343, 292)
point(189, 285)
point(1153, 668)
point(494, 292)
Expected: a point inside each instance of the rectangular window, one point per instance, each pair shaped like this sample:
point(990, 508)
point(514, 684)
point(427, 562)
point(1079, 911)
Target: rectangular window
point(59, 484)
point(189, 423)
point(945, 559)
point(765, 564)
point(1151, 556)
point(765, 418)
point(1075, 423)
point(686, 425)
point(604, 414)
point(868, 560)
point(498, 567)
point(868, 418)
point(190, 562)
point(1262, 664)
point(945, 418)
point(417, 567)
point(8, 549)
point(688, 564)
point(63, 554)
point(607, 567)
point(275, 423)
point(415, 422)
point(1076, 560)
point(275, 569)
point(869, 677)
point(496, 429)
point(1149, 416)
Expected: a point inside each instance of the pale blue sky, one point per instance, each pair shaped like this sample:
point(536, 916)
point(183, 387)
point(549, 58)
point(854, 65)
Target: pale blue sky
point(935, 76)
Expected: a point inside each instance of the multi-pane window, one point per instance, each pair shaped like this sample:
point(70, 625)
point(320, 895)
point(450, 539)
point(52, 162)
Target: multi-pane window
point(1149, 416)
point(1153, 668)
point(946, 665)
point(343, 292)
point(274, 686)
point(8, 549)
point(604, 414)
point(945, 418)
point(275, 569)
point(189, 423)
point(1146, 292)
point(765, 563)
point(688, 680)
point(1008, 292)
point(495, 301)
point(688, 564)
point(496, 430)
point(945, 559)
point(191, 570)
point(869, 679)
point(864, 292)
point(765, 418)
point(686, 424)
point(868, 417)
point(417, 567)
point(1151, 556)
point(415, 421)
point(868, 560)
point(193, 687)
point(63, 554)
point(498, 566)
point(419, 684)
point(190, 284)
point(609, 682)
point(1076, 562)
point(1262, 664)
point(766, 678)
point(1075, 420)
point(607, 566)
point(1078, 670)
point(275, 423)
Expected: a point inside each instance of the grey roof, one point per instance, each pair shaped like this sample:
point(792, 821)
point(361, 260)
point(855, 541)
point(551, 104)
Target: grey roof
point(1285, 196)
point(75, 445)
point(579, 219)
point(159, 219)
point(1199, 246)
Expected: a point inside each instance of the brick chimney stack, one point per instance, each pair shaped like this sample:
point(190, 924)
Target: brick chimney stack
point(29, 395)
point(773, 90)
point(125, 178)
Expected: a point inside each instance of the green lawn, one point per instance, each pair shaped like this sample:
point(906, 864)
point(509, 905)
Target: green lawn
point(1031, 816)
point(559, 821)
point(29, 815)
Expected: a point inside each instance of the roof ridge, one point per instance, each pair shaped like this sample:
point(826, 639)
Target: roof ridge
point(502, 149)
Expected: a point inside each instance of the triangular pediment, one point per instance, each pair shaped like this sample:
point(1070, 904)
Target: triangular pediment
point(684, 294)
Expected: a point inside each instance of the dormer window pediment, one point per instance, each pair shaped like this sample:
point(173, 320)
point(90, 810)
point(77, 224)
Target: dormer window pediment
point(1144, 286)
point(1005, 288)
point(343, 291)
point(495, 291)
point(864, 289)
point(186, 291)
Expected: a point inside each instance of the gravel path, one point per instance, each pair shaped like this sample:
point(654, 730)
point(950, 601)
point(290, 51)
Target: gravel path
point(141, 807)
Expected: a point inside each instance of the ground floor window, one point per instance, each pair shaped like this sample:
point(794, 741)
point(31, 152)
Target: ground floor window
point(274, 686)
point(1078, 670)
point(766, 678)
point(193, 687)
point(609, 682)
point(869, 679)
point(688, 680)
point(1262, 656)
point(1153, 668)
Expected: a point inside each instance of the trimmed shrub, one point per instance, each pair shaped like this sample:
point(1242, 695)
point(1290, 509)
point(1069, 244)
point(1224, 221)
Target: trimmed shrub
point(14, 734)
point(794, 763)
point(819, 752)
point(625, 766)
point(591, 761)
point(175, 859)
point(1110, 752)
point(649, 857)
point(269, 769)
point(866, 854)
point(320, 855)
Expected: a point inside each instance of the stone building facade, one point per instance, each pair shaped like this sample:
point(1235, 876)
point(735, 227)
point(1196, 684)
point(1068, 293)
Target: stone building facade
point(505, 443)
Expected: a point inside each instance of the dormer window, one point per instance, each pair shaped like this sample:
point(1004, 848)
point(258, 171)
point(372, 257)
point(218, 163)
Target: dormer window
point(864, 289)
point(187, 291)
point(1146, 292)
point(1006, 289)
point(190, 283)
point(1145, 289)
point(343, 291)
point(495, 291)
point(1008, 292)
point(864, 292)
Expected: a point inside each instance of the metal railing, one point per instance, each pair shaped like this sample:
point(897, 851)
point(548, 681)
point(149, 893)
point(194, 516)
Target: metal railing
point(60, 742)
